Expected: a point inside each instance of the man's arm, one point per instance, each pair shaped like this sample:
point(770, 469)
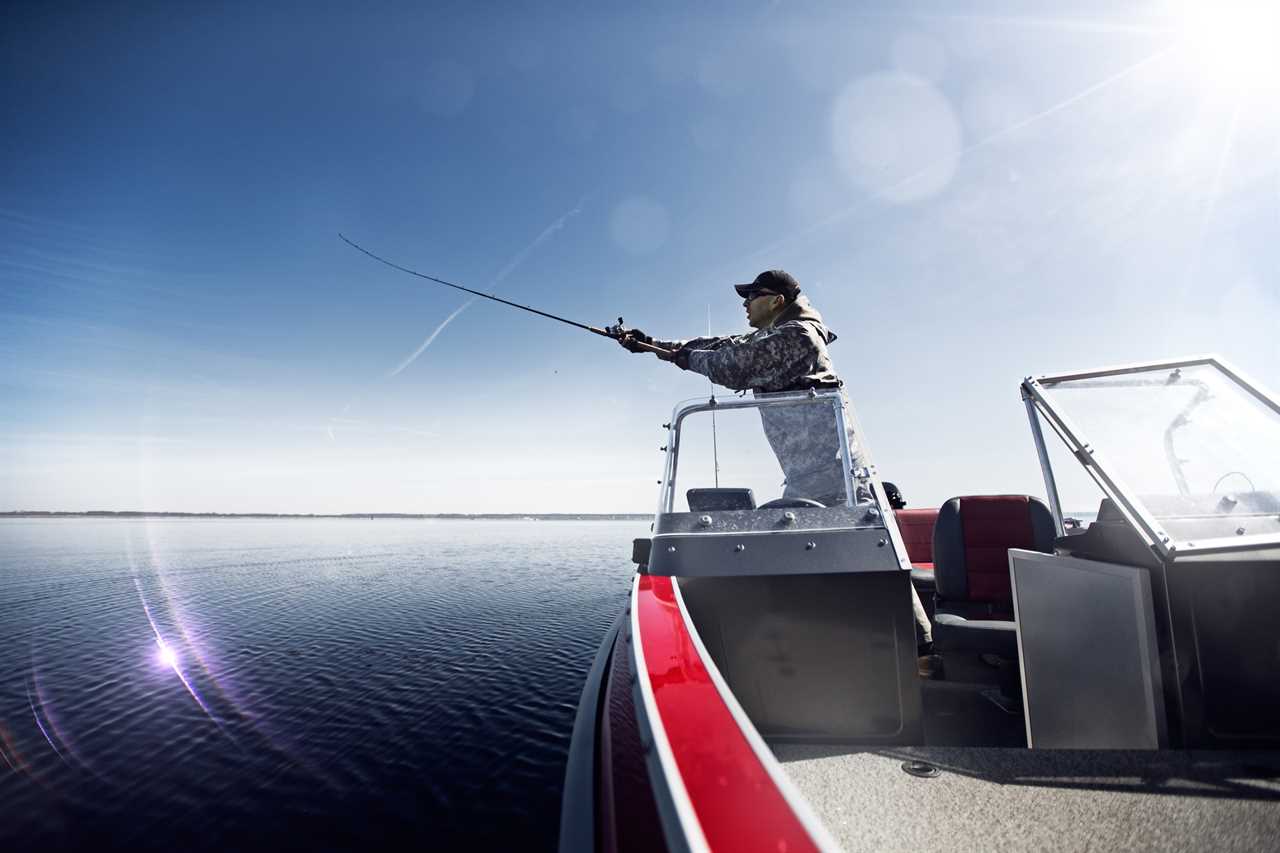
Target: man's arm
point(775, 361)
point(630, 338)
point(692, 343)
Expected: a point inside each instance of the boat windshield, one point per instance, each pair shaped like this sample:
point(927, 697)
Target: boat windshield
point(762, 451)
point(1191, 445)
point(779, 447)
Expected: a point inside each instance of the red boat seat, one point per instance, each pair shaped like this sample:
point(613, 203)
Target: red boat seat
point(971, 541)
point(916, 526)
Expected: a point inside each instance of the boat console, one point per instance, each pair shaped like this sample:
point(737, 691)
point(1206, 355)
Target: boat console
point(802, 602)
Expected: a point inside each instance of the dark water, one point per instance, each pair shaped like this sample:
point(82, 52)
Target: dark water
point(336, 683)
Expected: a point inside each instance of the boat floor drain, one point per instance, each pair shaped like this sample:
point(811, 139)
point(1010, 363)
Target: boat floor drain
point(923, 769)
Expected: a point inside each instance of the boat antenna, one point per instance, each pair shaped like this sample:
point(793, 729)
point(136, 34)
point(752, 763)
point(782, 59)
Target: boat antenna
point(615, 332)
point(715, 450)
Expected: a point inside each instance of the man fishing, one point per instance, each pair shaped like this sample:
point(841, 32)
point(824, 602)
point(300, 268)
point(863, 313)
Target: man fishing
point(787, 351)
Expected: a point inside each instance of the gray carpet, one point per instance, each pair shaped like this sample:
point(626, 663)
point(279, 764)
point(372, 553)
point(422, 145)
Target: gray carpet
point(1019, 799)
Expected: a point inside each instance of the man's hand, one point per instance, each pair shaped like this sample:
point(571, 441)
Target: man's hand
point(631, 337)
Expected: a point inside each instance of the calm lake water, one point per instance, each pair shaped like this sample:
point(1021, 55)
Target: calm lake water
point(232, 684)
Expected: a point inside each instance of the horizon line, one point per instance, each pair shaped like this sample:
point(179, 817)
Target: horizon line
point(104, 513)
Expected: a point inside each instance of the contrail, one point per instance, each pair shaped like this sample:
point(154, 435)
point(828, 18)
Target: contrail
point(551, 229)
point(431, 337)
point(509, 268)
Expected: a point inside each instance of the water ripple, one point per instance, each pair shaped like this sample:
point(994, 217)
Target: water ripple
point(359, 681)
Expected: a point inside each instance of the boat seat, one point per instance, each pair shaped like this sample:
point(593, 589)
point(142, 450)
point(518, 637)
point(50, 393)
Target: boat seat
point(916, 527)
point(971, 541)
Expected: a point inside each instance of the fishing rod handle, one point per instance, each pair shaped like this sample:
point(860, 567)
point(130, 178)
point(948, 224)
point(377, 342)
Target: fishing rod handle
point(658, 351)
point(619, 332)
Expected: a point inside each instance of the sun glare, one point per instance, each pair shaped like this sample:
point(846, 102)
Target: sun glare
point(1235, 43)
point(167, 656)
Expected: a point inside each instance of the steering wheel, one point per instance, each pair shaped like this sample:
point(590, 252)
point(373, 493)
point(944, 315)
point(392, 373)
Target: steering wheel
point(789, 503)
point(1240, 474)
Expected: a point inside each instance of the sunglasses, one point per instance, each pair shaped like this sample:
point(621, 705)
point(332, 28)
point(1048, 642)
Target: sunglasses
point(756, 294)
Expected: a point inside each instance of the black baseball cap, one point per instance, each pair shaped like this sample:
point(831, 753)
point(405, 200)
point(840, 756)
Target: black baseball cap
point(771, 281)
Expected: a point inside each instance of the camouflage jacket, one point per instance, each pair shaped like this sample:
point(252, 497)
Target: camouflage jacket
point(790, 355)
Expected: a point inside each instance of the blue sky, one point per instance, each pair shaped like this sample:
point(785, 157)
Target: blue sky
point(970, 193)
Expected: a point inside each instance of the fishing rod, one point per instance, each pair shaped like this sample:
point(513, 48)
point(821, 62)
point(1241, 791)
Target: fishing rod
point(616, 332)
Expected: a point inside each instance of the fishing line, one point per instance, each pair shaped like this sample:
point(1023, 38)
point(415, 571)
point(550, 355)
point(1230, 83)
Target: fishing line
point(396, 266)
point(617, 332)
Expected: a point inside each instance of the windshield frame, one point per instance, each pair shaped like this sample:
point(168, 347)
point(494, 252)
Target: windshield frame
point(812, 397)
point(1040, 405)
point(845, 419)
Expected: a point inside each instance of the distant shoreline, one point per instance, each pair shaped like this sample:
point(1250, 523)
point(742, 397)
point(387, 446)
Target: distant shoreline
point(446, 516)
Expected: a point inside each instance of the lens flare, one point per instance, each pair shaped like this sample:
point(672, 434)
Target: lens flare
point(166, 656)
point(1233, 42)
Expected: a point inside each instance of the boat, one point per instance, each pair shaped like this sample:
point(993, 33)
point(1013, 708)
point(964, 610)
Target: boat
point(1112, 684)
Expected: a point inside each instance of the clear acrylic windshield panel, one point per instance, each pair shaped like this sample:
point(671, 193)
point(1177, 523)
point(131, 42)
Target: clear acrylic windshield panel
point(790, 451)
point(1078, 493)
point(1196, 450)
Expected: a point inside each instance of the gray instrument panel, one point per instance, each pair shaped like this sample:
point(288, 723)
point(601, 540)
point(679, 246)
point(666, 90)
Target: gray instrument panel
point(777, 552)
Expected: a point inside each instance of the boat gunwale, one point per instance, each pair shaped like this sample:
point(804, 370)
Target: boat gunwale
point(784, 798)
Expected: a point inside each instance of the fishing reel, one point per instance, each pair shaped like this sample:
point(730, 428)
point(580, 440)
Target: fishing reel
point(635, 340)
point(618, 331)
